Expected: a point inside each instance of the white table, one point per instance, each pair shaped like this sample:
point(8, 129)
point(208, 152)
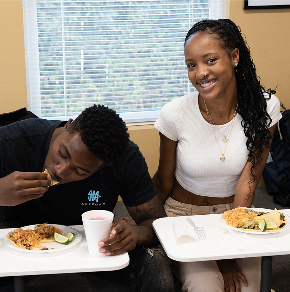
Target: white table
point(76, 260)
point(190, 252)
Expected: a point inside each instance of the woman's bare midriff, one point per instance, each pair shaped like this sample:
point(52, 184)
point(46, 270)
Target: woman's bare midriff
point(181, 195)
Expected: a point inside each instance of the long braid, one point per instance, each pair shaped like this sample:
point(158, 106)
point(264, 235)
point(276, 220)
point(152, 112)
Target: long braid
point(252, 104)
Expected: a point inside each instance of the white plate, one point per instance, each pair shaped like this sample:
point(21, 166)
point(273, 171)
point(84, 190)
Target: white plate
point(286, 228)
point(54, 248)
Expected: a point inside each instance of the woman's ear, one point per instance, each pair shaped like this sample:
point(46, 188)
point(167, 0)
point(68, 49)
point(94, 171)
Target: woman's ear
point(235, 54)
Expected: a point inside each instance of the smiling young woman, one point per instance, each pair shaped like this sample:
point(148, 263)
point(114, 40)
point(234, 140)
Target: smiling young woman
point(211, 70)
point(214, 143)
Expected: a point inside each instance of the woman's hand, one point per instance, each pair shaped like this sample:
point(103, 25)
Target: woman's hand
point(232, 275)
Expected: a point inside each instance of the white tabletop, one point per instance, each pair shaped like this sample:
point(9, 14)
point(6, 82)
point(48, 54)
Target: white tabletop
point(76, 260)
point(223, 245)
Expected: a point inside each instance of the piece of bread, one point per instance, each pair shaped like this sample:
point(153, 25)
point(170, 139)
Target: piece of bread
point(273, 216)
point(54, 182)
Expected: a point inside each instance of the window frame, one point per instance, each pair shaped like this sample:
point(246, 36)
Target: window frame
point(33, 74)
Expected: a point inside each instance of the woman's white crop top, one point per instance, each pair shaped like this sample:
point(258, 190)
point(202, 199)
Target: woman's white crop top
point(198, 166)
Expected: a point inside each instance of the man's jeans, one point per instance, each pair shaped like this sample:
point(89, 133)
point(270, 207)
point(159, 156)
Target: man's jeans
point(149, 271)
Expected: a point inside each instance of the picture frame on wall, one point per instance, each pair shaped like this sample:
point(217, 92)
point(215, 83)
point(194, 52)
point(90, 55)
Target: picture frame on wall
point(266, 4)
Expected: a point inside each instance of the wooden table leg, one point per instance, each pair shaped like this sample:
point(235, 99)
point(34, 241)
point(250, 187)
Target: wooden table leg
point(19, 283)
point(266, 274)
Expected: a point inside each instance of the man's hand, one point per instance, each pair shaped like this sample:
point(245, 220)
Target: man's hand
point(19, 187)
point(232, 275)
point(122, 239)
point(135, 230)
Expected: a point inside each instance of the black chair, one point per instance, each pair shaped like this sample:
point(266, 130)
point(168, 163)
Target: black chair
point(6, 119)
point(20, 114)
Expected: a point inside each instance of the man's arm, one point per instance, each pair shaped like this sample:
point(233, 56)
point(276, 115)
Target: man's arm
point(19, 187)
point(136, 231)
point(144, 215)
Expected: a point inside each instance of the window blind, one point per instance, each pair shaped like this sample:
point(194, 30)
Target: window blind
point(125, 54)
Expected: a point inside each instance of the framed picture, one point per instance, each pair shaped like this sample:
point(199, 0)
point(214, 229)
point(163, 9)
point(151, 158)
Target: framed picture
point(266, 4)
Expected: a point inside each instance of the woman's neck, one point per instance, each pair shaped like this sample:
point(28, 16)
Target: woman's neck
point(221, 111)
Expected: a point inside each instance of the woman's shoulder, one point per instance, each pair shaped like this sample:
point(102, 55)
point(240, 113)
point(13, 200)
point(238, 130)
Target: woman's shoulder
point(273, 107)
point(181, 102)
point(271, 98)
point(171, 117)
point(272, 101)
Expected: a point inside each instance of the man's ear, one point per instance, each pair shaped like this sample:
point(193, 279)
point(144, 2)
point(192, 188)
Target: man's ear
point(67, 124)
point(60, 130)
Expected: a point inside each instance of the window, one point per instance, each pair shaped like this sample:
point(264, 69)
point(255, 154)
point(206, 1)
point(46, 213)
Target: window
point(125, 54)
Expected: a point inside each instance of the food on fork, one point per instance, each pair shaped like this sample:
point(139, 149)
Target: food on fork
point(252, 220)
point(54, 182)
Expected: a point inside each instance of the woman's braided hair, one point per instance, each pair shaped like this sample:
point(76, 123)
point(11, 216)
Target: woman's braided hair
point(252, 104)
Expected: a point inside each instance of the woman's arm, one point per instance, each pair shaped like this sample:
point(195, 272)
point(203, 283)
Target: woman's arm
point(163, 179)
point(246, 186)
point(244, 196)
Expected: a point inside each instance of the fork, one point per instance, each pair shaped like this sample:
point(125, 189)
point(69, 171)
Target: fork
point(199, 230)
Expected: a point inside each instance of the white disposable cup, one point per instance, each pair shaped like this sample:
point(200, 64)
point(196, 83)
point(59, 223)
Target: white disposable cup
point(97, 230)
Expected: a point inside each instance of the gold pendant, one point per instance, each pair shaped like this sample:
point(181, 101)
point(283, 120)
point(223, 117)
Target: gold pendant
point(222, 158)
point(225, 139)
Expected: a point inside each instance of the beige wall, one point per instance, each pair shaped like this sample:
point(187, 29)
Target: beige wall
point(266, 32)
point(147, 138)
point(12, 58)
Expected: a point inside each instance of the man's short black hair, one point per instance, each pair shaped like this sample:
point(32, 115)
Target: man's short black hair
point(102, 131)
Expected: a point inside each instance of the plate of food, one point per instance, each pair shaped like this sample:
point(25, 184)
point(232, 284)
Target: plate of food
point(255, 220)
point(43, 239)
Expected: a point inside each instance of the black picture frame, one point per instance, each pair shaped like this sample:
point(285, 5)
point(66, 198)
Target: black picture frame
point(276, 5)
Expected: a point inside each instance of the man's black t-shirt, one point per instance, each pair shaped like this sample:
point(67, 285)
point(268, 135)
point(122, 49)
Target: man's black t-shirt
point(24, 146)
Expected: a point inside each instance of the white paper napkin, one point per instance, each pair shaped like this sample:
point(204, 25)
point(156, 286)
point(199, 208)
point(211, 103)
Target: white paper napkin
point(183, 231)
point(184, 234)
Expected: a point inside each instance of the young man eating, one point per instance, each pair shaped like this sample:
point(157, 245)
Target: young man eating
point(94, 163)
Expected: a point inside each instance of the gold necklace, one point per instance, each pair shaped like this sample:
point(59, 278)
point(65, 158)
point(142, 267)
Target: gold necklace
point(225, 140)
